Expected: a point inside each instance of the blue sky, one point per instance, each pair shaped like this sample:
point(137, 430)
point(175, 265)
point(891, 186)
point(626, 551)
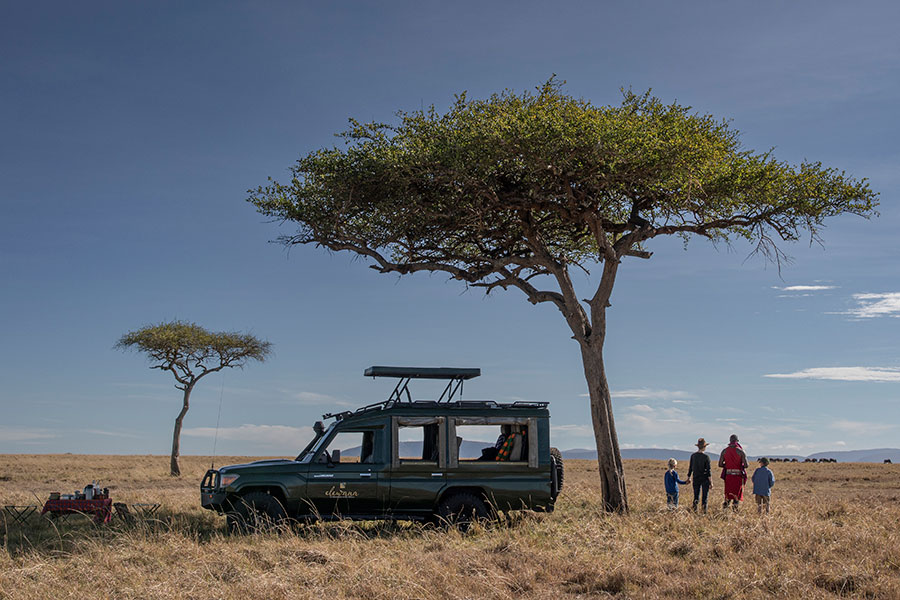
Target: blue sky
point(131, 132)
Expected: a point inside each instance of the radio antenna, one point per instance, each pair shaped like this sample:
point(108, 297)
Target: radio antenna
point(219, 416)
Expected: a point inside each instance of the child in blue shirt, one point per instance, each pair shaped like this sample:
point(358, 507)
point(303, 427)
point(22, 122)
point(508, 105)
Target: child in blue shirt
point(672, 482)
point(763, 480)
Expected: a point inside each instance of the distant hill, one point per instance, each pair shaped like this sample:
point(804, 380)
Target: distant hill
point(875, 455)
point(468, 449)
point(638, 453)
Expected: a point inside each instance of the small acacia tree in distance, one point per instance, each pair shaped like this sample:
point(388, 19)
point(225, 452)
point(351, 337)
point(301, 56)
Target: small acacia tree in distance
point(519, 189)
point(190, 352)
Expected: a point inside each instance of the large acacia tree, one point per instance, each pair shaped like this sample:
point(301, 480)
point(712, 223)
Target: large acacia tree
point(519, 189)
point(190, 352)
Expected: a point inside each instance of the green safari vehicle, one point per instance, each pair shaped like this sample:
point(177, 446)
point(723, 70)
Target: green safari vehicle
point(448, 460)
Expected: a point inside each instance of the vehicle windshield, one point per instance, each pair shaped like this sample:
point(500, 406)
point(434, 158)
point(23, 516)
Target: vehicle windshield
point(306, 457)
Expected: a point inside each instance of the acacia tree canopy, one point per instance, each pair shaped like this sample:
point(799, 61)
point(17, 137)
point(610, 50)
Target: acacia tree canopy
point(505, 191)
point(470, 189)
point(190, 352)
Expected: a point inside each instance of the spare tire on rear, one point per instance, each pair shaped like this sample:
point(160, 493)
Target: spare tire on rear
point(557, 474)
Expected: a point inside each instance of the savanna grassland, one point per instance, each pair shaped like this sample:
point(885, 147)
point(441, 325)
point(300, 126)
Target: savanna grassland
point(834, 532)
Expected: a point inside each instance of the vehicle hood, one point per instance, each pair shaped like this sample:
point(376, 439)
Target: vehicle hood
point(252, 465)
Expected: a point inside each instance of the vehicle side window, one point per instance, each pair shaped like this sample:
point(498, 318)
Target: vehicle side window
point(355, 447)
point(493, 439)
point(492, 443)
point(418, 440)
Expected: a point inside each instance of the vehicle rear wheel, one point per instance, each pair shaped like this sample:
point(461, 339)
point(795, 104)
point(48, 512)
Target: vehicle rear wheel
point(256, 511)
point(462, 509)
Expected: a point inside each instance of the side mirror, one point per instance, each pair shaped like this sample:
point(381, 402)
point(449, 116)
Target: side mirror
point(335, 456)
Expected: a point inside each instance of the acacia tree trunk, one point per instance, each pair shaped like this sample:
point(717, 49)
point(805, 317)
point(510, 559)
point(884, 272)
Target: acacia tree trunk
point(175, 468)
point(609, 459)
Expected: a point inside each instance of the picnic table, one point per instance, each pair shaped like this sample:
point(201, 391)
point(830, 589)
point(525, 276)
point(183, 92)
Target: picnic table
point(101, 508)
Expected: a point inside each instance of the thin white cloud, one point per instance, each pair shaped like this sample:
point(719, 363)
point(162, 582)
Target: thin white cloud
point(572, 436)
point(25, 434)
point(651, 394)
point(804, 288)
point(724, 408)
point(264, 435)
point(235, 391)
point(317, 399)
point(871, 306)
point(873, 374)
point(573, 430)
point(861, 427)
point(673, 427)
point(308, 398)
point(647, 420)
point(787, 448)
point(770, 430)
point(111, 433)
point(149, 392)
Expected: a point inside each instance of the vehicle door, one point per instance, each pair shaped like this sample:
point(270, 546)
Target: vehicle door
point(345, 474)
point(418, 463)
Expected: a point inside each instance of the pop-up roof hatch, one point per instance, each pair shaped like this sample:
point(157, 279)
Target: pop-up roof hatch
point(455, 377)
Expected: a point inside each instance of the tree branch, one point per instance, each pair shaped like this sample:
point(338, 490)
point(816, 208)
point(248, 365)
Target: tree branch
point(534, 295)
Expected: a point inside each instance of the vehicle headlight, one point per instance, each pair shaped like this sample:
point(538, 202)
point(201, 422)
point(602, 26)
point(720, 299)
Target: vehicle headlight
point(226, 480)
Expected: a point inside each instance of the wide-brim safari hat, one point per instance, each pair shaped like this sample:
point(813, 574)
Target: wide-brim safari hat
point(701, 443)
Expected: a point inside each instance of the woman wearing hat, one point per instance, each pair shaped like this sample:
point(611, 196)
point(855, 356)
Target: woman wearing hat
point(702, 477)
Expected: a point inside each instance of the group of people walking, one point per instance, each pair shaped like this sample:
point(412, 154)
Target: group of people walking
point(733, 462)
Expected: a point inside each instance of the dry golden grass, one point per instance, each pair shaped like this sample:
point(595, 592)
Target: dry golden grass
point(834, 532)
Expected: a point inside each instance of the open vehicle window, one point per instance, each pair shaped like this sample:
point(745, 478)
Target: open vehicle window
point(418, 440)
point(355, 447)
point(492, 443)
point(480, 440)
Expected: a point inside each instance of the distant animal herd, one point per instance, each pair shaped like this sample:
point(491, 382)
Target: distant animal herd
point(887, 461)
point(808, 460)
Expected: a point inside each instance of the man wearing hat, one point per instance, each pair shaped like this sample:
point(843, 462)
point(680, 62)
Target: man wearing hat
point(700, 469)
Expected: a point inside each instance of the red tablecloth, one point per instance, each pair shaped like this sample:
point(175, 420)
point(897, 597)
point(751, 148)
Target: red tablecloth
point(101, 508)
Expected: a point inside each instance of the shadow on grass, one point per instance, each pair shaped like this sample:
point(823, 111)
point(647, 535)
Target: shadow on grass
point(48, 536)
point(52, 537)
point(392, 529)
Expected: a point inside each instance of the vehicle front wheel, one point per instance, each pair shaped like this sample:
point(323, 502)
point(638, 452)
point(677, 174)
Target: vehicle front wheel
point(256, 511)
point(462, 509)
